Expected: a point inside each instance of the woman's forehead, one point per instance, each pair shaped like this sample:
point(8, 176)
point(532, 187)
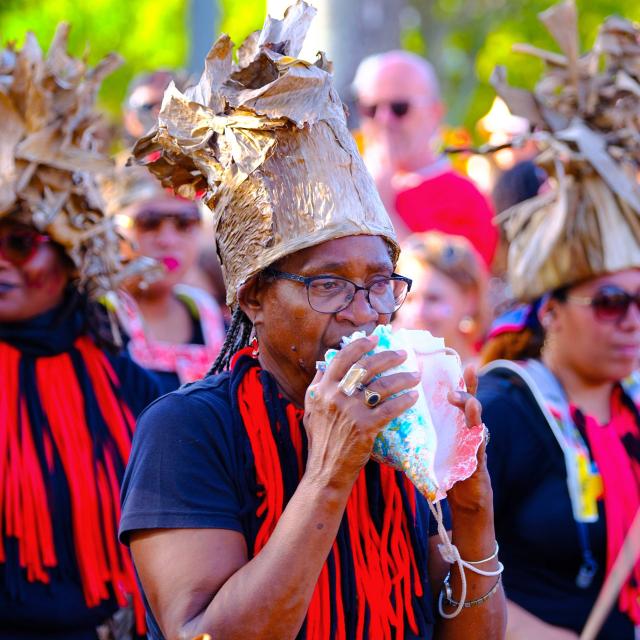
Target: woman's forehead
point(627, 279)
point(351, 253)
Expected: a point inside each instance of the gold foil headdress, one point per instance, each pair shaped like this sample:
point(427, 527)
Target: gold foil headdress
point(266, 138)
point(586, 117)
point(50, 156)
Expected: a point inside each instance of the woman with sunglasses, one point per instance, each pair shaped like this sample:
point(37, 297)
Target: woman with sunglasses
point(251, 506)
point(170, 328)
point(564, 455)
point(68, 403)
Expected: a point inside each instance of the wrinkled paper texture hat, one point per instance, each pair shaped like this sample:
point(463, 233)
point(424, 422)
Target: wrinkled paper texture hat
point(267, 139)
point(585, 115)
point(50, 157)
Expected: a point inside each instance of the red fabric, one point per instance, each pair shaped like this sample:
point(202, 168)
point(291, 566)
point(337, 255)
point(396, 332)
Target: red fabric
point(93, 485)
point(24, 504)
point(621, 481)
point(384, 561)
point(450, 203)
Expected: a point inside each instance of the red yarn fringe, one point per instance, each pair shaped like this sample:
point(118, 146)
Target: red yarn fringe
point(384, 562)
point(93, 485)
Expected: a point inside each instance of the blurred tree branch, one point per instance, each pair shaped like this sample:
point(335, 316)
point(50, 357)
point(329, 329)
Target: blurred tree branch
point(466, 40)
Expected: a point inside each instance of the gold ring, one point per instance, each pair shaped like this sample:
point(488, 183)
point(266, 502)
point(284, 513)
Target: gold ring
point(349, 383)
point(371, 398)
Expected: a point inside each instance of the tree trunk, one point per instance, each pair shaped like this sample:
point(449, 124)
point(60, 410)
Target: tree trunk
point(349, 30)
point(204, 21)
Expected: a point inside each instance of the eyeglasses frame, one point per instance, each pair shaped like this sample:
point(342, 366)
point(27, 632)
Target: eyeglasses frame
point(307, 280)
point(587, 301)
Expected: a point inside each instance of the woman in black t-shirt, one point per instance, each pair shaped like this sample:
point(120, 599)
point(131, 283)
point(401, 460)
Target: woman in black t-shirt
point(564, 456)
point(297, 534)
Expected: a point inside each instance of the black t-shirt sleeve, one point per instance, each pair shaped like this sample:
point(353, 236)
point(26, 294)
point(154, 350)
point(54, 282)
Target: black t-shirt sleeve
point(181, 470)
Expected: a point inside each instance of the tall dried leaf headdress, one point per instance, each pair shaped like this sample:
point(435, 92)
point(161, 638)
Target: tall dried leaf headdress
point(585, 113)
point(50, 157)
point(266, 137)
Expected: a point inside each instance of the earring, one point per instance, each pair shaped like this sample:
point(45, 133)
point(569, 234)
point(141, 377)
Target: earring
point(546, 320)
point(467, 325)
point(256, 347)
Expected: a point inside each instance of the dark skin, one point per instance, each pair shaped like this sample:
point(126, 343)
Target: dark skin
point(30, 289)
point(202, 581)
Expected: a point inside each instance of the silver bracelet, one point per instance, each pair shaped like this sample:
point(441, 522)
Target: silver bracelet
point(491, 557)
point(446, 595)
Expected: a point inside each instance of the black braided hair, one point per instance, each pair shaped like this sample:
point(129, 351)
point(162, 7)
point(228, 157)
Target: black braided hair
point(238, 337)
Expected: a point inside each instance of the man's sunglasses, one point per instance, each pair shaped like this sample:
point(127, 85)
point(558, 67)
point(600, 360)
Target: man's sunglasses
point(610, 303)
point(152, 219)
point(18, 246)
point(399, 108)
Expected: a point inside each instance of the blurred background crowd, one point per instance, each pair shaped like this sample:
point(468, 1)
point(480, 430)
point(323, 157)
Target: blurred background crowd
point(447, 156)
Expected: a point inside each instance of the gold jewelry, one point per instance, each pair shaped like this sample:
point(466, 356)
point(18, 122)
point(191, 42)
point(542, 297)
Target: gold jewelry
point(349, 383)
point(371, 398)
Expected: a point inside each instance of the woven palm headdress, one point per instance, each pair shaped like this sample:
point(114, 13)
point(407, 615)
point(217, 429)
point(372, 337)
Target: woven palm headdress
point(51, 156)
point(585, 117)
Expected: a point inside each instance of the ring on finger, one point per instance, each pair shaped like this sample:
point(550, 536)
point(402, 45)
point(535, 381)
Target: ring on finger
point(372, 398)
point(487, 435)
point(350, 381)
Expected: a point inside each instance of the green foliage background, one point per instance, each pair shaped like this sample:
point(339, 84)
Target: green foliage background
point(148, 34)
point(464, 38)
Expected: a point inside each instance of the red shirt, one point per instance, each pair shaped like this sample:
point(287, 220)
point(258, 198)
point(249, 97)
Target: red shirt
point(450, 203)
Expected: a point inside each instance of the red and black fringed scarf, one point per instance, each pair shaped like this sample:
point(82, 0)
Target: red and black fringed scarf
point(65, 438)
point(373, 582)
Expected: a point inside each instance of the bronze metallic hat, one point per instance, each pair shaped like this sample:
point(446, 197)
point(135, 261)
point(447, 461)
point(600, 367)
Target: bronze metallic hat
point(585, 116)
point(266, 138)
point(50, 156)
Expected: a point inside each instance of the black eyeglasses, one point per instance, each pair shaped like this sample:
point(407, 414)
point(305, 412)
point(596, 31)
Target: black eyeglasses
point(610, 303)
point(332, 294)
point(399, 108)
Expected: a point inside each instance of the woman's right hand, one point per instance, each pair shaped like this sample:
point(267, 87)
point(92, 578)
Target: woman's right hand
point(341, 429)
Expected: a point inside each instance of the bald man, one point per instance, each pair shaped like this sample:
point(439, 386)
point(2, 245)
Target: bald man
point(401, 113)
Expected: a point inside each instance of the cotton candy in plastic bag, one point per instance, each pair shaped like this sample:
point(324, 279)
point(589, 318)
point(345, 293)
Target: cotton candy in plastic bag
point(430, 441)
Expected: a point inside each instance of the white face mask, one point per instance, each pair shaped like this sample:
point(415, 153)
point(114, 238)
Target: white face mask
point(430, 442)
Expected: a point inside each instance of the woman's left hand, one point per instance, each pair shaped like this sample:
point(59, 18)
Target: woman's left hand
point(474, 493)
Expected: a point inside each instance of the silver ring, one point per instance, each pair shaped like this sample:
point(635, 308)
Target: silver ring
point(349, 383)
point(487, 435)
point(372, 398)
